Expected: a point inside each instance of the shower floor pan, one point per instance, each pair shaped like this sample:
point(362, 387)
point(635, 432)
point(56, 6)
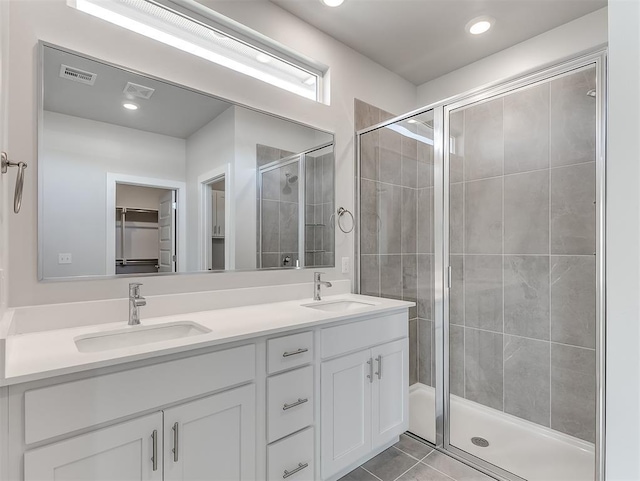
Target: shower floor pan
point(531, 451)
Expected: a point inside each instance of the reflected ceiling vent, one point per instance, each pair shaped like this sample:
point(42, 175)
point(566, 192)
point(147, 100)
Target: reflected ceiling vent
point(138, 91)
point(77, 75)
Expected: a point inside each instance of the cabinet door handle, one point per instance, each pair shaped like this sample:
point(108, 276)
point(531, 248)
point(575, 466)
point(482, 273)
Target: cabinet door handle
point(300, 467)
point(297, 403)
point(370, 375)
point(154, 454)
point(293, 353)
point(379, 360)
point(175, 442)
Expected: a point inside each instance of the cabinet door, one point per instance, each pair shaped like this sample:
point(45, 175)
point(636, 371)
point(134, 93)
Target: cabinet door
point(212, 439)
point(345, 411)
point(390, 396)
point(123, 452)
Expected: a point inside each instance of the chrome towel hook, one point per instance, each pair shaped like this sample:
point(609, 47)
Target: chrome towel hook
point(6, 163)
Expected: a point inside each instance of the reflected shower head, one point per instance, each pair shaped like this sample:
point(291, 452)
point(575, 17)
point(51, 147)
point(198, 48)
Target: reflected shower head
point(292, 179)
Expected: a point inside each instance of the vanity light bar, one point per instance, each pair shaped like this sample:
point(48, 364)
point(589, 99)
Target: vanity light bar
point(171, 28)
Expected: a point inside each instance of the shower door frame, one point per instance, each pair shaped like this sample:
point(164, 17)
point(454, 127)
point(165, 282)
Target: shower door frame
point(441, 111)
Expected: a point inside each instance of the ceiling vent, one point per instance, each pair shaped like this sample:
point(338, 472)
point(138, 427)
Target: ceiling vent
point(138, 91)
point(77, 75)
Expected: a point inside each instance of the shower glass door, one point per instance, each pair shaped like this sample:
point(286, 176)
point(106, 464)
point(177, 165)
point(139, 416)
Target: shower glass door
point(521, 313)
point(396, 219)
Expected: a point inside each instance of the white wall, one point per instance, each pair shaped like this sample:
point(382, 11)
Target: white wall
point(623, 243)
point(566, 41)
point(77, 154)
point(210, 147)
point(4, 179)
point(52, 20)
point(254, 128)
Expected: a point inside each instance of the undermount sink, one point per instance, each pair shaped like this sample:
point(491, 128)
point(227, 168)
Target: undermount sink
point(339, 306)
point(136, 335)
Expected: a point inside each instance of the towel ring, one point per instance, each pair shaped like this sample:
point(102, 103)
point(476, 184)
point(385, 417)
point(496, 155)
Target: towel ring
point(5, 164)
point(342, 211)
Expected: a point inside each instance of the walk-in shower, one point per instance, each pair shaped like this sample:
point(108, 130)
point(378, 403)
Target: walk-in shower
point(487, 211)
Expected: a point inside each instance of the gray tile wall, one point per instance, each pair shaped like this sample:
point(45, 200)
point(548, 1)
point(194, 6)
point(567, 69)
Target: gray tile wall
point(396, 221)
point(279, 210)
point(522, 228)
point(319, 224)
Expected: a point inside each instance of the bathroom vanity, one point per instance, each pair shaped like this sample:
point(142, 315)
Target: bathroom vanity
point(295, 390)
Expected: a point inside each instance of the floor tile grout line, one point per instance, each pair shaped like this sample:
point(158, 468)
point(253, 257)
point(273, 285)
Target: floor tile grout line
point(435, 469)
point(405, 472)
point(365, 469)
point(411, 455)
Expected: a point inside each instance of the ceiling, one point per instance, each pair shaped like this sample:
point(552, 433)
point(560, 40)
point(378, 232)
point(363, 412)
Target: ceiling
point(424, 39)
point(171, 110)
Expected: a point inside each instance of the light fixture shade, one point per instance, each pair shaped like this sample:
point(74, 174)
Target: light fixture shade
point(479, 25)
point(175, 29)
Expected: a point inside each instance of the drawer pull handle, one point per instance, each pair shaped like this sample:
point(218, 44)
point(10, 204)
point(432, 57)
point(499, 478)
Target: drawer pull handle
point(293, 353)
point(300, 467)
point(154, 454)
point(297, 403)
point(175, 442)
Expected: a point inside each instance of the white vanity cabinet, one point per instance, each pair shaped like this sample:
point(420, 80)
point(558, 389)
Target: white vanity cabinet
point(212, 439)
point(364, 395)
point(124, 452)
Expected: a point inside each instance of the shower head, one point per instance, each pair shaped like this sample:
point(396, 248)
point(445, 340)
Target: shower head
point(592, 93)
point(292, 179)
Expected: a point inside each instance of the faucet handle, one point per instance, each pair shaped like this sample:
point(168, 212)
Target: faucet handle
point(134, 289)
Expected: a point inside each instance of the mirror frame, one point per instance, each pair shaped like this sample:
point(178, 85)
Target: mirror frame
point(42, 45)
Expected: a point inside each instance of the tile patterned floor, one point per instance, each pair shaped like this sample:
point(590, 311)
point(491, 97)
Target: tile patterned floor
point(411, 460)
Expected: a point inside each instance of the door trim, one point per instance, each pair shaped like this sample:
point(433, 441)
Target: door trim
point(181, 196)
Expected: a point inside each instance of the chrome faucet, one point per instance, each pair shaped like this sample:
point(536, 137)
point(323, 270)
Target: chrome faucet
point(135, 301)
point(317, 283)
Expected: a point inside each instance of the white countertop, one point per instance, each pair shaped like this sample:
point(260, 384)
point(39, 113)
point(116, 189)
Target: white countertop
point(46, 354)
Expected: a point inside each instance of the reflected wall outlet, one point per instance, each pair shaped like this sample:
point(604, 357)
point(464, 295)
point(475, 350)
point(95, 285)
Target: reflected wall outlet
point(345, 265)
point(64, 258)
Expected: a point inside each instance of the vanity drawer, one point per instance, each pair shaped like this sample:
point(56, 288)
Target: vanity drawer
point(64, 408)
point(289, 402)
point(289, 351)
point(292, 458)
point(362, 334)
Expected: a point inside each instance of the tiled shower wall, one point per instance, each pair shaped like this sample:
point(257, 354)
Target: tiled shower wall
point(396, 251)
point(319, 221)
point(522, 243)
point(279, 209)
point(280, 203)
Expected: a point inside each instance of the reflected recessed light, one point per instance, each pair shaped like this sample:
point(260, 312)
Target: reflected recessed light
point(412, 121)
point(263, 58)
point(130, 106)
point(332, 3)
point(310, 81)
point(479, 25)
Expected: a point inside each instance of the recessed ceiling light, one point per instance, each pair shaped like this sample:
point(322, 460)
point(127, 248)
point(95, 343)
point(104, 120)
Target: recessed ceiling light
point(332, 3)
point(479, 25)
point(263, 58)
point(130, 106)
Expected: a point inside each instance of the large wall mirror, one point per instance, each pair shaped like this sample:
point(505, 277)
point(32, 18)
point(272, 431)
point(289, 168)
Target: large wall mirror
point(141, 176)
